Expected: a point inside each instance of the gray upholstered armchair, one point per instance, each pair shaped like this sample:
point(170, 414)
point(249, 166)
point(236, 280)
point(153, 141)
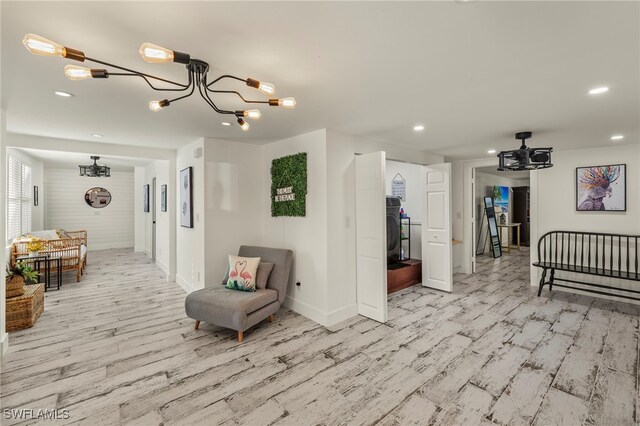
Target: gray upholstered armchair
point(240, 310)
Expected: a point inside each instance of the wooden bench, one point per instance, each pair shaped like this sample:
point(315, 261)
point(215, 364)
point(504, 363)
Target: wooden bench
point(590, 253)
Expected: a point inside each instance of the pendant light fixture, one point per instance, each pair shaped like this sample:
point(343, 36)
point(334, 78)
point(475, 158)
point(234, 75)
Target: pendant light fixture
point(95, 170)
point(197, 76)
point(525, 158)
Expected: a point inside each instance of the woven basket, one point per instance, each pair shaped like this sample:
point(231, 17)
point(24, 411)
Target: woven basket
point(23, 311)
point(15, 286)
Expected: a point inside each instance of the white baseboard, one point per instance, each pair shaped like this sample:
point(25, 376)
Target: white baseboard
point(306, 310)
point(341, 314)
point(139, 249)
point(170, 277)
point(186, 286)
point(93, 247)
point(4, 344)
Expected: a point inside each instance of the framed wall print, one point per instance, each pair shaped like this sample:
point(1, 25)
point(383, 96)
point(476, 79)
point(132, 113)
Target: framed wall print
point(163, 198)
point(146, 198)
point(186, 206)
point(601, 188)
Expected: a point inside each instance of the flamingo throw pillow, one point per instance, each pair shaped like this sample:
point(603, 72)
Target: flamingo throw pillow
point(242, 273)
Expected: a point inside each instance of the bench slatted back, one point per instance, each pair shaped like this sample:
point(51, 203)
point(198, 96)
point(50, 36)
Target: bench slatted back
point(613, 255)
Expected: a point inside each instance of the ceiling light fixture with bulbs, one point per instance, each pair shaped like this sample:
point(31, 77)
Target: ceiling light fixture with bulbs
point(525, 158)
point(197, 72)
point(95, 170)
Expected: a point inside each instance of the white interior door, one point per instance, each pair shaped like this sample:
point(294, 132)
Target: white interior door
point(371, 236)
point(437, 269)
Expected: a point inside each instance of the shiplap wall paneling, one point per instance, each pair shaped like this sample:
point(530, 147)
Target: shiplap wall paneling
point(108, 227)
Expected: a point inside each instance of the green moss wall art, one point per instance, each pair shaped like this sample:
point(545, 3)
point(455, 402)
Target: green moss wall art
point(289, 185)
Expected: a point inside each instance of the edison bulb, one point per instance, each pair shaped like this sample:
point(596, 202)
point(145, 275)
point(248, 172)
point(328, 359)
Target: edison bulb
point(156, 106)
point(41, 46)
point(267, 88)
point(253, 113)
point(287, 102)
point(155, 54)
point(74, 72)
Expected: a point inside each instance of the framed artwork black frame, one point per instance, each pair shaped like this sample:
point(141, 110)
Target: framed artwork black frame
point(163, 198)
point(186, 197)
point(146, 198)
point(624, 170)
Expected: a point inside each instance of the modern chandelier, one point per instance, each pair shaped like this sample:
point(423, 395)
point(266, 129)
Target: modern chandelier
point(525, 158)
point(95, 170)
point(197, 72)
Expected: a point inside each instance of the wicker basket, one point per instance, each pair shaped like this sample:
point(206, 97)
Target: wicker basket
point(23, 311)
point(15, 286)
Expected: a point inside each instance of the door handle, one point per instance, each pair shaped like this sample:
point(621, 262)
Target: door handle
point(435, 236)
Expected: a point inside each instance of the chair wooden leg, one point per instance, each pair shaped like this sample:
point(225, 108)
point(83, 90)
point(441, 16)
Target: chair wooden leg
point(240, 336)
point(271, 318)
point(197, 324)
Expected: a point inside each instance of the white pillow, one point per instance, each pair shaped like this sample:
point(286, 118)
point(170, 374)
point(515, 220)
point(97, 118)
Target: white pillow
point(242, 273)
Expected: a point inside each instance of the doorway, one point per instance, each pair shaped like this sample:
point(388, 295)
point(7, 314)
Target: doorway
point(153, 219)
point(509, 192)
point(431, 209)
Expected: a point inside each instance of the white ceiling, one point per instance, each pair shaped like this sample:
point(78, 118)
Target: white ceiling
point(55, 159)
point(473, 73)
point(493, 170)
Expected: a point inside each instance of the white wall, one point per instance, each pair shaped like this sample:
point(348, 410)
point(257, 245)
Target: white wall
point(306, 236)
point(412, 173)
point(37, 179)
point(162, 171)
point(553, 194)
point(140, 217)
point(4, 337)
point(190, 242)
point(457, 198)
point(341, 242)
point(108, 227)
point(234, 208)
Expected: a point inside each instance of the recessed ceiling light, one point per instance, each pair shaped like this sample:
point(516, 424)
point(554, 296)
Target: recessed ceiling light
point(97, 135)
point(64, 94)
point(598, 90)
point(226, 123)
point(617, 137)
point(491, 151)
point(418, 128)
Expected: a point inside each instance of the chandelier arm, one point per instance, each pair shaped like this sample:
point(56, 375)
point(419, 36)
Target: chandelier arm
point(160, 89)
point(206, 97)
point(239, 95)
point(244, 80)
point(193, 88)
point(141, 74)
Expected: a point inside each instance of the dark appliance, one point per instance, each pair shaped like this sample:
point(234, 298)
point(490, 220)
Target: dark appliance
point(520, 207)
point(393, 229)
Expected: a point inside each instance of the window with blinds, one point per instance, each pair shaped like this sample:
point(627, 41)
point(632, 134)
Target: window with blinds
point(18, 198)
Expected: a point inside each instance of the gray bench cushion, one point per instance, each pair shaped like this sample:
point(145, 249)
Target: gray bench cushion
point(225, 307)
point(226, 299)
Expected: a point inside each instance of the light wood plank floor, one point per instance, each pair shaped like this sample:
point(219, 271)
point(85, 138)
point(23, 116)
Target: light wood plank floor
point(118, 349)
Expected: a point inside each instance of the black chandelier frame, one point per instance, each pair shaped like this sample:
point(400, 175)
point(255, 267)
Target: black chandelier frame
point(197, 73)
point(524, 158)
point(95, 169)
